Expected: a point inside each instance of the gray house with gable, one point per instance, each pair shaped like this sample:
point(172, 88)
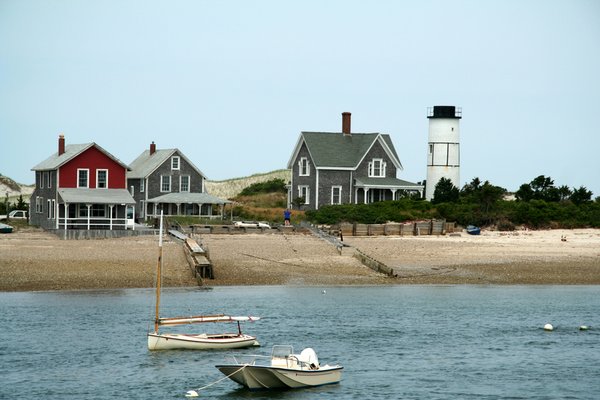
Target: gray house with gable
point(345, 168)
point(166, 180)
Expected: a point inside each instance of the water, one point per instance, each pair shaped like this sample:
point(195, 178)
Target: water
point(401, 342)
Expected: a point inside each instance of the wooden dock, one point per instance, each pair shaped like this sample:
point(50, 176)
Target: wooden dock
point(196, 256)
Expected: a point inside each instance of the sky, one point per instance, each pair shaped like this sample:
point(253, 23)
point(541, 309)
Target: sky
point(233, 83)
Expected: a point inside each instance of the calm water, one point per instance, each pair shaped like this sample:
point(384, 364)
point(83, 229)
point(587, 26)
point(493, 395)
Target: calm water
point(404, 342)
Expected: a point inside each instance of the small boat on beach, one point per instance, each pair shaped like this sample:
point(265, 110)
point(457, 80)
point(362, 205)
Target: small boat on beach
point(203, 341)
point(473, 230)
point(283, 369)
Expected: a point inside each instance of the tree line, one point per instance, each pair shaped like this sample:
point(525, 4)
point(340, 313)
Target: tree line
point(538, 204)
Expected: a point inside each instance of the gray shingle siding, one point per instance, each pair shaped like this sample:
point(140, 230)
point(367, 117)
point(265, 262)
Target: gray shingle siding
point(41, 218)
point(331, 178)
point(376, 151)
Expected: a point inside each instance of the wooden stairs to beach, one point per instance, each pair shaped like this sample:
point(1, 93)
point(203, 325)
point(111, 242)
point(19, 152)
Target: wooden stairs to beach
point(196, 256)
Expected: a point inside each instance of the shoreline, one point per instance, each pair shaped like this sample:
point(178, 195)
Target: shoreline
point(33, 260)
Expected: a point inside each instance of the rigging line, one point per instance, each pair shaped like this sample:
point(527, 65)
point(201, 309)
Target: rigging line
point(222, 379)
point(273, 261)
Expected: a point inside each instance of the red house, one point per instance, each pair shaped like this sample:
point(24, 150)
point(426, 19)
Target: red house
point(81, 186)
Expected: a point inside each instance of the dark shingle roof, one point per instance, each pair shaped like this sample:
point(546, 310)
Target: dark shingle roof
point(337, 150)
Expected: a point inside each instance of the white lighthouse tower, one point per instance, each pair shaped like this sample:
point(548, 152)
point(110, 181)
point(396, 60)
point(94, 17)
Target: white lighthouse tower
point(443, 157)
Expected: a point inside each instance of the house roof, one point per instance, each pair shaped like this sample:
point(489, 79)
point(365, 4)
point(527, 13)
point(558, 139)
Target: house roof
point(187, 197)
point(387, 183)
point(146, 164)
point(71, 151)
point(336, 150)
point(96, 196)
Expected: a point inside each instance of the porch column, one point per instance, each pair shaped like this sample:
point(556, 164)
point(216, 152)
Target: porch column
point(155, 209)
point(110, 208)
point(66, 214)
point(89, 208)
point(393, 194)
point(178, 209)
point(355, 195)
point(365, 196)
point(200, 210)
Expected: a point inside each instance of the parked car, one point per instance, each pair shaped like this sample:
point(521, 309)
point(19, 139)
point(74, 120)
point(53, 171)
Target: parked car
point(15, 214)
point(251, 224)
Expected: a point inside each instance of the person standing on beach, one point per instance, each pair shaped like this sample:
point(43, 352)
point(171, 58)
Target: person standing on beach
point(287, 214)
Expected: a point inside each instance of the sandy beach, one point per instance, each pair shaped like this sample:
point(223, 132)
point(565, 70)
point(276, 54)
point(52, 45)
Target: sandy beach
point(31, 259)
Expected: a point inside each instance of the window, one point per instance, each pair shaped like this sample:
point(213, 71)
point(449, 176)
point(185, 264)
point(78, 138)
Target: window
point(304, 192)
point(39, 176)
point(175, 163)
point(53, 215)
point(184, 183)
point(39, 204)
point(98, 210)
point(165, 183)
point(304, 168)
point(83, 178)
point(83, 211)
point(142, 185)
point(49, 210)
point(336, 195)
point(102, 178)
point(377, 168)
point(50, 174)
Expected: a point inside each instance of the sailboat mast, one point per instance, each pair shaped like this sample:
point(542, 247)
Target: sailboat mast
point(158, 272)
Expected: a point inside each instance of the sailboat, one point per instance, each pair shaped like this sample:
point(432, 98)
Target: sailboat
point(203, 341)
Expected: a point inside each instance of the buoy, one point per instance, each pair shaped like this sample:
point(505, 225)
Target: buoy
point(191, 393)
point(584, 328)
point(324, 291)
point(548, 327)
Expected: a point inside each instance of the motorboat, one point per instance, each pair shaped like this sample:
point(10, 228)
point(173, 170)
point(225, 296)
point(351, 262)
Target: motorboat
point(283, 369)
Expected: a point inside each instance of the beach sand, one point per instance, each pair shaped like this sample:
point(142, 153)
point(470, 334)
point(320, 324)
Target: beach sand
point(31, 259)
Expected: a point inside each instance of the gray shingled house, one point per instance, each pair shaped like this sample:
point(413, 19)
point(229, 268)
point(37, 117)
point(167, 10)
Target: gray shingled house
point(166, 180)
point(345, 167)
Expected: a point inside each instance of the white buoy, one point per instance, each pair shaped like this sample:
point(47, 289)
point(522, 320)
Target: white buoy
point(191, 393)
point(324, 291)
point(548, 327)
point(584, 328)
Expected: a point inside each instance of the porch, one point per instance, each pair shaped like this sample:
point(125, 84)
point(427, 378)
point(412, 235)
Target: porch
point(372, 190)
point(201, 205)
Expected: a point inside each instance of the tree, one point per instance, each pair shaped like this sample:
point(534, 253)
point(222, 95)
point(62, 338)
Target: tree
point(541, 188)
point(445, 192)
point(580, 196)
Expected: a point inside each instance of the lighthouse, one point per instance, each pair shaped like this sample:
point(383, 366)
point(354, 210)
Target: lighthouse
point(443, 156)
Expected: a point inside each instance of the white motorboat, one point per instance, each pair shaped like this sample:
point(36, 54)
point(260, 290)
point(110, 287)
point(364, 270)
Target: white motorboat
point(283, 369)
point(203, 341)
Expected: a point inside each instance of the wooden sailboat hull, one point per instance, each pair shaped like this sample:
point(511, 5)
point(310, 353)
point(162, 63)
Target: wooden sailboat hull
point(172, 341)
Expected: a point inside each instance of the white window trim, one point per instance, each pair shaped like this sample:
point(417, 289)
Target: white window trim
point(382, 169)
point(333, 188)
point(49, 180)
point(307, 197)
point(303, 160)
point(178, 163)
point(87, 184)
point(188, 183)
point(161, 183)
point(97, 180)
point(142, 185)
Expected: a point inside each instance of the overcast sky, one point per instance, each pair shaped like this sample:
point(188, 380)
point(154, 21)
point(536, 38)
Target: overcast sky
point(233, 83)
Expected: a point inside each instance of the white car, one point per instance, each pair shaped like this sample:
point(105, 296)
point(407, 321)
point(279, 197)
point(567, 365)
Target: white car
point(251, 224)
point(15, 214)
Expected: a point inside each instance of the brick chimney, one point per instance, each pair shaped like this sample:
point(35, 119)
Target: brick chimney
point(61, 144)
point(346, 123)
point(152, 148)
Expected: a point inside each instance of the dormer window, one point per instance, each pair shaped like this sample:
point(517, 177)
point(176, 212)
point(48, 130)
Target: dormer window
point(303, 166)
point(175, 163)
point(377, 168)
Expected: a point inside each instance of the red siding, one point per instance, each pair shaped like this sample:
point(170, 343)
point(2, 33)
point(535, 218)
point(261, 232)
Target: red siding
point(93, 159)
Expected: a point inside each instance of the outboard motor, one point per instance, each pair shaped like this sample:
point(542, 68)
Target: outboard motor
point(309, 357)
